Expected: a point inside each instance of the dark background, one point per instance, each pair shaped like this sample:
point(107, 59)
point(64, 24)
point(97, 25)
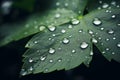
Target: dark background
point(11, 56)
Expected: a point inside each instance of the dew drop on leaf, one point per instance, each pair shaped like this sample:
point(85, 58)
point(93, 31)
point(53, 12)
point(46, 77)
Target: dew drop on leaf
point(73, 51)
point(91, 53)
point(94, 40)
point(23, 72)
point(31, 68)
point(63, 30)
point(66, 41)
point(110, 32)
point(70, 26)
point(30, 60)
point(97, 22)
point(84, 45)
point(113, 16)
point(118, 45)
point(52, 28)
point(41, 28)
point(59, 60)
point(50, 60)
point(105, 5)
point(57, 15)
point(51, 50)
point(57, 3)
point(42, 58)
point(75, 21)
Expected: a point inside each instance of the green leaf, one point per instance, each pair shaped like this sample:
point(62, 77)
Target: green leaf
point(65, 48)
point(106, 30)
point(70, 44)
point(59, 12)
point(34, 24)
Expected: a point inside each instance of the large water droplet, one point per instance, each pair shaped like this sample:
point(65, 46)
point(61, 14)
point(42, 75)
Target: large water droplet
point(52, 28)
point(51, 50)
point(84, 45)
point(66, 41)
point(75, 21)
point(97, 22)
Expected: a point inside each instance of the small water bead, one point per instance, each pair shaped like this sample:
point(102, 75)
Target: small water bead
point(118, 25)
point(73, 51)
point(113, 3)
point(52, 28)
point(99, 38)
point(51, 50)
point(23, 72)
point(99, 8)
point(107, 39)
point(118, 6)
point(70, 26)
point(42, 58)
point(105, 5)
point(57, 15)
point(103, 52)
point(57, 3)
point(59, 60)
point(118, 45)
point(107, 49)
point(31, 68)
point(53, 35)
point(30, 60)
point(113, 16)
point(100, 2)
point(90, 32)
point(75, 21)
point(110, 32)
point(50, 60)
point(27, 25)
point(91, 53)
point(94, 40)
point(81, 30)
point(97, 22)
point(41, 28)
point(35, 42)
point(63, 30)
point(114, 38)
point(113, 53)
point(84, 45)
point(66, 41)
point(66, 4)
point(101, 29)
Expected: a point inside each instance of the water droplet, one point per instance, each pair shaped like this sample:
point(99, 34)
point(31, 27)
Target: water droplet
point(107, 49)
point(97, 22)
point(118, 24)
point(110, 31)
point(63, 31)
point(59, 60)
point(113, 16)
point(57, 15)
point(103, 52)
point(31, 68)
point(70, 26)
point(113, 53)
point(105, 5)
point(23, 72)
point(30, 60)
point(91, 53)
point(57, 3)
point(73, 51)
point(100, 2)
point(51, 61)
point(53, 35)
point(90, 32)
point(35, 42)
point(41, 28)
point(118, 45)
point(101, 29)
point(51, 50)
point(113, 3)
point(80, 30)
point(66, 41)
point(42, 58)
point(75, 21)
point(66, 4)
point(52, 28)
point(107, 39)
point(94, 40)
point(84, 45)
point(114, 38)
